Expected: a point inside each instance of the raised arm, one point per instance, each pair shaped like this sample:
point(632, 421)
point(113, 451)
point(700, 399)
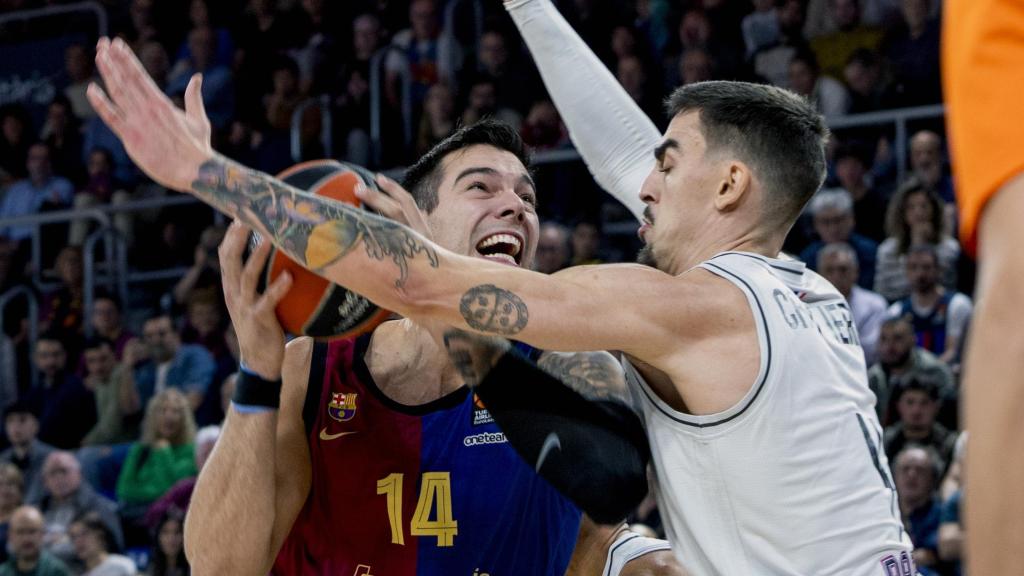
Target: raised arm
point(610, 131)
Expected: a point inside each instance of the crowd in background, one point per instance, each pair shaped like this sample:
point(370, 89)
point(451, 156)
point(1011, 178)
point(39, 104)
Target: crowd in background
point(107, 432)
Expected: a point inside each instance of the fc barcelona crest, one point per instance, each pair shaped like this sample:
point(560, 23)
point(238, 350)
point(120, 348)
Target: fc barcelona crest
point(342, 406)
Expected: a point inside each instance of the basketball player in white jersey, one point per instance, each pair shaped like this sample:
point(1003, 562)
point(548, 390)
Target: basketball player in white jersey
point(747, 368)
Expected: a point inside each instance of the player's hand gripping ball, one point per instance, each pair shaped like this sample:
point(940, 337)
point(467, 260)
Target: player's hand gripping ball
point(314, 306)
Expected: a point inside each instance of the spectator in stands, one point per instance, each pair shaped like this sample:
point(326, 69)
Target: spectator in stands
point(913, 51)
point(63, 314)
point(625, 43)
point(586, 243)
point(837, 262)
point(543, 128)
point(482, 102)
point(353, 91)
point(94, 544)
point(926, 161)
point(164, 454)
point(940, 317)
point(695, 65)
point(180, 495)
point(826, 94)
point(852, 162)
point(65, 408)
point(25, 541)
point(217, 88)
point(199, 17)
point(899, 361)
point(103, 378)
point(772, 63)
point(154, 59)
point(553, 248)
point(916, 472)
point(62, 134)
point(865, 83)
point(281, 103)
point(164, 362)
point(205, 270)
point(65, 498)
point(834, 49)
point(761, 27)
point(14, 142)
point(102, 187)
point(917, 405)
point(42, 190)
point(168, 555)
point(430, 54)
point(438, 119)
point(78, 65)
point(206, 327)
point(143, 23)
point(635, 80)
point(832, 215)
point(105, 319)
point(314, 52)
point(696, 31)
point(914, 216)
point(12, 495)
point(27, 453)
point(652, 23)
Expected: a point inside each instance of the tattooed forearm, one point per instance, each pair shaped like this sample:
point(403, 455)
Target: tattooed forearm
point(594, 375)
point(314, 230)
point(488, 308)
point(474, 355)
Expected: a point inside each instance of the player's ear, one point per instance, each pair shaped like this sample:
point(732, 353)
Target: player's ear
point(734, 186)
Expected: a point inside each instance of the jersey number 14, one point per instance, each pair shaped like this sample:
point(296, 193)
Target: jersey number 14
point(435, 496)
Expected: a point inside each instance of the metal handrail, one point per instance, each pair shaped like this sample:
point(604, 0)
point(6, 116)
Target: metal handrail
point(33, 315)
point(326, 127)
point(94, 7)
point(376, 62)
point(899, 117)
point(478, 19)
point(43, 218)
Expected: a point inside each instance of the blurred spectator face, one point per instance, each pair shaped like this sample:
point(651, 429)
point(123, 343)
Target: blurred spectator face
point(170, 538)
point(199, 14)
point(896, 341)
point(917, 410)
point(62, 475)
point(25, 534)
point(851, 171)
point(204, 316)
point(202, 44)
point(13, 129)
point(552, 249)
point(440, 102)
point(860, 78)
point(694, 30)
point(922, 271)
point(99, 163)
point(365, 36)
point(154, 60)
point(492, 54)
point(585, 241)
point(543, 125)
point(38, 163)
point(105, 317)
point(285, 82)
point(58, 115)
point(161, 339)
point(315, 8)
point(99, 361)
point(791, 17)
point(141, 12)
point(915, 13)
point(77, 63)
point(926, 157)
point(917, 210)
point(21, 428)
point(69, 266)
point(839, 269)
point(49, 357)
point(801, 77)
point(11, 489)
point(914, 474)
point(87, 543)
point(623, 42)
point(846, 13)
point(170, 420)
point(482, 96)
point(423, 18)
point(833, 225)
point(631, 76)
point(695, 66)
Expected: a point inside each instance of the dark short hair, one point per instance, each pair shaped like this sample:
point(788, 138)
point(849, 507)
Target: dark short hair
point(19, 407)
point(95, 342)
point(777, 133)
point(924, 248)
point(809, 59)
point(920, 383)
point(864, 56)
point(423, 178)
point(93, 522)
point(52, 336)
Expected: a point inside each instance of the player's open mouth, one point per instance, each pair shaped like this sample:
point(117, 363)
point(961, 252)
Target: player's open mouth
point(501, 247)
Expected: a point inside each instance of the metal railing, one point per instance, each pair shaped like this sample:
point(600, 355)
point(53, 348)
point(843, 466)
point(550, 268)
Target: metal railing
point(376, 87)
point(95, 8)
point(33, 313)
point(478, 18)
point(898, 117)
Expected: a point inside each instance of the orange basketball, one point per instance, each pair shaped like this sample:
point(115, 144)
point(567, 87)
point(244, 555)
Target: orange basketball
point(313, 306)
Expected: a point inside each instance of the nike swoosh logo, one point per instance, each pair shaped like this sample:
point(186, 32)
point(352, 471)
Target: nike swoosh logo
point(325, 436)
point(550, 443)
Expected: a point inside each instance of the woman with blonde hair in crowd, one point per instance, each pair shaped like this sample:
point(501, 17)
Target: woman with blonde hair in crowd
point(163, 455)
point(12, 494)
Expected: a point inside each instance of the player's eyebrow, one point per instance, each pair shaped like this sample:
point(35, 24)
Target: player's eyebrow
point(524, 178)
point(659, 152)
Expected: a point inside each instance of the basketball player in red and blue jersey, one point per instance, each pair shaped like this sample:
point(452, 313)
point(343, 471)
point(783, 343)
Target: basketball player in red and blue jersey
point(383, 463)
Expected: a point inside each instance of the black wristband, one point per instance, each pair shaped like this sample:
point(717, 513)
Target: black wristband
point(252, 390)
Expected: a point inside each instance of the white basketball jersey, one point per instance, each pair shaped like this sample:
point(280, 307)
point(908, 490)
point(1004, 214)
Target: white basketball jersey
point(792, 480)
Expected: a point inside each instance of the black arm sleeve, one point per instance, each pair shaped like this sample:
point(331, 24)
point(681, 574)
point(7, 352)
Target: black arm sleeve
point(593, 452)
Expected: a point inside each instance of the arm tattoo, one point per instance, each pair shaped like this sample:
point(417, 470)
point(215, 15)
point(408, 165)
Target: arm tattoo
point(474, 355)
point(594, 375)
point(488, 308)
point(314, 230)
